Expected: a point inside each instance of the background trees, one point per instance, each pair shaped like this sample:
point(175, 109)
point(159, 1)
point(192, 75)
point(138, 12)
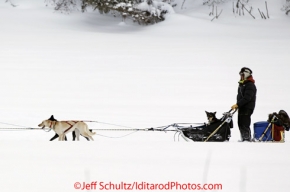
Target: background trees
point(147, 12)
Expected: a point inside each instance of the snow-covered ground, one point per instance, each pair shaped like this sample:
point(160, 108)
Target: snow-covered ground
point(86, 66)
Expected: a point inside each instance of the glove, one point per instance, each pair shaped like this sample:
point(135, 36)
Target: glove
point(235, 106)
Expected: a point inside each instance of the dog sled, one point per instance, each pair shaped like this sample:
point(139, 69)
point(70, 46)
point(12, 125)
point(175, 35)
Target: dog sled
point(218, 131)
point(272, 130)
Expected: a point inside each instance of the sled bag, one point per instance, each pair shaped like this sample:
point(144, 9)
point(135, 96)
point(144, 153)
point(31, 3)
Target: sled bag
point(194, 133)
point(278, 133)
point(259, 129)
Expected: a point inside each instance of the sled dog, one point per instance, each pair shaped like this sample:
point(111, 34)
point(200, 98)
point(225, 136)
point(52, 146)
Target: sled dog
point(223, 133)
point(73, 133)
point(211, 117)
point(64, 127)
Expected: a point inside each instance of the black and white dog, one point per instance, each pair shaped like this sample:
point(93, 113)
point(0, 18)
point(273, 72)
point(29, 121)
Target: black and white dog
point(211, 117)
point(223, 132)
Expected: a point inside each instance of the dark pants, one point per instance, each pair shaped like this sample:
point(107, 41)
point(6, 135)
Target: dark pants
point(244, 122)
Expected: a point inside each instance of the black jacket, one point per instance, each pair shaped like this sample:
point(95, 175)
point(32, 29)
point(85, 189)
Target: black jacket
point(246, 98)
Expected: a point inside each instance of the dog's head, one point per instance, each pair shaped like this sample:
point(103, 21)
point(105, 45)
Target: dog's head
point(211, 116)
point(45, 123)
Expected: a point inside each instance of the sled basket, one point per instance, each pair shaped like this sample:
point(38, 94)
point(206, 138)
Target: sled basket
point(215, 132)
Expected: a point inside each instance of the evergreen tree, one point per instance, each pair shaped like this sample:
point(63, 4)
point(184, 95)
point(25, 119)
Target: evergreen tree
point(152, 14)
point(147, 12)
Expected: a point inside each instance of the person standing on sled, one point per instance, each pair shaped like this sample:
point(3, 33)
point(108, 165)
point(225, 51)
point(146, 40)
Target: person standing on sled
point(246, 101)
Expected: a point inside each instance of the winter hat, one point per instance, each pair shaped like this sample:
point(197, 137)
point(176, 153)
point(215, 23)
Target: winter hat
point(246, 69)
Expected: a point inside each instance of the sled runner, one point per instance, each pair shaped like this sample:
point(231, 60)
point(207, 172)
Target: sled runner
point(217, 131)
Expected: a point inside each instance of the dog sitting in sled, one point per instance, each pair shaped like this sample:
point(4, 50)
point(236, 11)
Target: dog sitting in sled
point(216, 130)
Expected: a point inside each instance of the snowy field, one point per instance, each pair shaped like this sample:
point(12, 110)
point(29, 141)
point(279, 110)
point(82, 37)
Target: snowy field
point(87, 66)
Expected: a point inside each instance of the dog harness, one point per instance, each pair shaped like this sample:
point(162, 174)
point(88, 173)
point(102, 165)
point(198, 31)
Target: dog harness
point(52, 124)
point(71, 125)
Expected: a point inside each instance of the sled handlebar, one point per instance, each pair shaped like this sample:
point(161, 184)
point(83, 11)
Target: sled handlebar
point(231, 111)
point(234, 111)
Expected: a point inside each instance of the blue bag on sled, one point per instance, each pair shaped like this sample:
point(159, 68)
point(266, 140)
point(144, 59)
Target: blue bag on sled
point(259, 129)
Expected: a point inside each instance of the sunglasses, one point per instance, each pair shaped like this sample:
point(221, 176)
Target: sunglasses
point(245, 70)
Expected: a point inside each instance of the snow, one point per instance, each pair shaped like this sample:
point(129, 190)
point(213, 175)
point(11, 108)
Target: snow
point(86, 66)
point(151, 8)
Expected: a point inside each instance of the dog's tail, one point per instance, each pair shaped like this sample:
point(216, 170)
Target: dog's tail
point(92, 133)
point(89, 131)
